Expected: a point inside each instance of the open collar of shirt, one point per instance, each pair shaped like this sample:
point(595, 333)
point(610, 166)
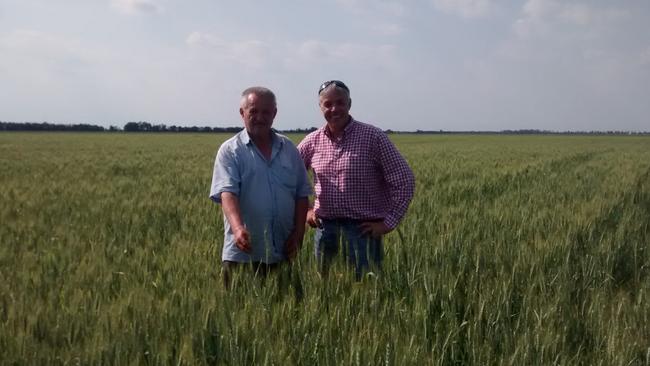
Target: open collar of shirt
point(278, 143)
point(346, 130)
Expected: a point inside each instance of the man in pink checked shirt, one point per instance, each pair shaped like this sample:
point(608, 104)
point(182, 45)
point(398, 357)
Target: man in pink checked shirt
point(363, 184)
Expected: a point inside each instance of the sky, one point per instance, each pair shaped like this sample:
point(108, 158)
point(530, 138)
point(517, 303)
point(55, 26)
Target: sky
point(464, 65)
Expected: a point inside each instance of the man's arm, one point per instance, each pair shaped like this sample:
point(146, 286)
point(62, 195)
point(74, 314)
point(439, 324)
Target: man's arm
point(400, 179)
point(230, 206)
point(401, 183)
point(225, 190)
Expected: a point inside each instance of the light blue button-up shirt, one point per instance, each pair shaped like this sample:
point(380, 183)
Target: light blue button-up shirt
point(267, 191)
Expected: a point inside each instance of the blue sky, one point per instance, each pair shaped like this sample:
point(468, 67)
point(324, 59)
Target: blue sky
point(412, 64)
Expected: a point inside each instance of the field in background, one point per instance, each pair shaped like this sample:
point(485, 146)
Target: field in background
point(516, 250)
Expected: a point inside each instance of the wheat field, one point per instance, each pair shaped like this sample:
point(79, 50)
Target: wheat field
point(516, 250)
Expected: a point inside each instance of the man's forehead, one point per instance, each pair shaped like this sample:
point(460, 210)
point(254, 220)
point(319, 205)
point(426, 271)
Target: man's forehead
point(332, 94)
point(259, 100)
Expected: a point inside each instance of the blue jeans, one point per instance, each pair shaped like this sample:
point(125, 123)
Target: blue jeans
point(361, 251)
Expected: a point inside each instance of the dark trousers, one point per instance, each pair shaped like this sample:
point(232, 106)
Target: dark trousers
point(362, 252)
point(286, 274)
point(259, 269)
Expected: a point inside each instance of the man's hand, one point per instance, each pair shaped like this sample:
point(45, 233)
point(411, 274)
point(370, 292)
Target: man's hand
point(242, 239)
point(374, 228)
point(293, 245)
point(230, 206)
point(312, 219)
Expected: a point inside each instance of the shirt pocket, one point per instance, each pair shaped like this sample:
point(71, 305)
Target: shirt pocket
point(286, 174)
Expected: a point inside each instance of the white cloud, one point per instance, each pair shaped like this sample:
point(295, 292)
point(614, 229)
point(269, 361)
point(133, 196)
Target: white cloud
point(529, 27)
point(318, 53)
point(203, 39)
point(572, 64)
point(58, 74)
point(577, 13)
point(465, 8)
point(136, 6)
point(388, 29)
point(581, 14)
point(539, 17)
point(569, 65)
point(301, 56)
point(251, 53)
point(25, 37)
point(645, 57)
point(533, 18)
point(392, 8)
point(311, 51)
point(40, 56)
point(539, 8)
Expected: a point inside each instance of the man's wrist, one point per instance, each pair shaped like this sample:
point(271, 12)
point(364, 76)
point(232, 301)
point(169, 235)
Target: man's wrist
point(391, 222)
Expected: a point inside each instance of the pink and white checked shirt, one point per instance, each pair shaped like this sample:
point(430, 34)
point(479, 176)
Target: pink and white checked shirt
point(360, 176)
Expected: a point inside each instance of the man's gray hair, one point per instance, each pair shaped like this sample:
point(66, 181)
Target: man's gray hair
point(333, 85)
point(260, 91)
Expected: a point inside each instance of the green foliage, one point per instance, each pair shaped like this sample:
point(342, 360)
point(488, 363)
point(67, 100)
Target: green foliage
point(517, 250)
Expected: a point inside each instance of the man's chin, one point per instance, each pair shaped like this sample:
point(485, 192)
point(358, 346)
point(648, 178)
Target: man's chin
point(338, 120)
point(260, 130)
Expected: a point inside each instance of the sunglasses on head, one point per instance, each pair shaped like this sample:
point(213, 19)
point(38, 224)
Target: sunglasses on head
point(338, 83)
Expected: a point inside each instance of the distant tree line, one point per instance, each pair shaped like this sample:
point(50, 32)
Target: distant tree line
point(518, 132)
point(148, 127)
point(140, 126)
point(44, 126)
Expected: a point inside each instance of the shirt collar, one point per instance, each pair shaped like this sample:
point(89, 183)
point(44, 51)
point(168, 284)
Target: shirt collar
point(277, 143)
point(246, 139)
point(243, 137)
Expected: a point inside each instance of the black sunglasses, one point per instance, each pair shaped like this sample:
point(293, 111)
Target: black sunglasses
point(338, 83)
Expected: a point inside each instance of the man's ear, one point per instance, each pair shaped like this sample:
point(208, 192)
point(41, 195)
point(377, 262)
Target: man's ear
point(241, 112)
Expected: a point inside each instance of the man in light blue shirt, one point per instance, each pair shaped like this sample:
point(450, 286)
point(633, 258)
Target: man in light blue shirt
point(261, 183)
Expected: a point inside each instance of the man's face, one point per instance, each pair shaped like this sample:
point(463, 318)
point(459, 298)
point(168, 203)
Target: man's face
point(335, 105)
point(258, 114)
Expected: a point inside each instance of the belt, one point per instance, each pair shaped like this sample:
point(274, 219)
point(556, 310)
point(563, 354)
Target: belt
point(345, 220)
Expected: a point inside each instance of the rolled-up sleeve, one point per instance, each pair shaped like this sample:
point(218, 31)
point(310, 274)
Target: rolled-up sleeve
point(399, 177)
point(225, 176)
